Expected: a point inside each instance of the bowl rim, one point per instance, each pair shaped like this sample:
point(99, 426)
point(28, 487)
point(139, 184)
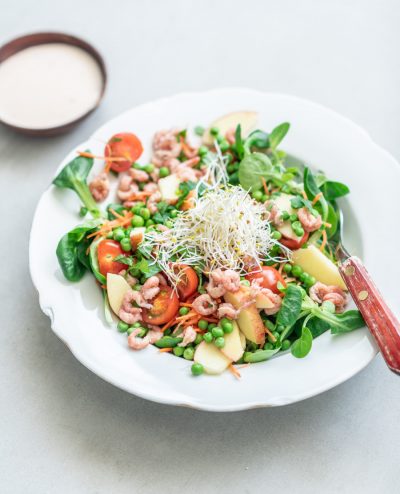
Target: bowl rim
point(141, 392)
point(20, 43)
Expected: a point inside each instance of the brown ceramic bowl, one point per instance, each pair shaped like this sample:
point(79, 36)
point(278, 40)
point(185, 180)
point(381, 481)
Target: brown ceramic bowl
point(29, 40)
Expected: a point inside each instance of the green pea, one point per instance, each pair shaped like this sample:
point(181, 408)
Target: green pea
point(231, 168)
point(168, 342)
point(169, 224)
point(207, 337)
point(197, 369)
point(164, 172)
point(296, 224)
point(174, 213)
point(199, 130)
point(219, 138)
point(137, 221)
point(211, 326)
point(83, 211)
point(136, 325)
point(220, 342)
point(137, 207)
point(303, 277)
point(299, 232)
point(285, 345)
point(145, 213)
point(269, 324)
point(202, 324)
point(122, 327)
point(126, 244)
point(137, 166)
point(296, 271)
point(149, 168)
point(272, 338)
point(264, 198)
point(293, 217)
point(285, 215)
point(183, 311)
point(287, 268)
point(188, 353)
point(268, 346)
point(226, 325)
point(149, 223)
point(214, 131)
point(217, 332)
point(276, 334)
point(178, 351)
point(257, 195)
point(224, 145)
point(109, 235)
point(199, 339)
point(280, 328)
point(276, 235)
point(118, 234)
point(310, 281)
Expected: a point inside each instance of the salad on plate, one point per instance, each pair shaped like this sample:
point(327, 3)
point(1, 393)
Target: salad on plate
point(216, 250)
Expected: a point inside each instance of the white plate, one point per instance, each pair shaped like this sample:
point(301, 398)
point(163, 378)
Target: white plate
point(320, 137)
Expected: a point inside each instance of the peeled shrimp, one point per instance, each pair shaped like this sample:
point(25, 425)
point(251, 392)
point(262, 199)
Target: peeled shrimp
point(204, 305)
point(328, 293)
point(100, 187)
point(309, 222)
point(222, 282)
point(161, 279)
point(188, 335)
point(137, 343)
point(227, 310)
point(138, 175)
point(165, 146)
point(152, 202)
point(129, 278)
point(126, 188)
point(150, 288)
point(274, 213)
point(154, 335)
point(274, 298)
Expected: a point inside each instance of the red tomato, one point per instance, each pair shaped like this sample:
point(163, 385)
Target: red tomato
point(294, 244)
point(107, 250)
point(188, 281)
point(123, 145)
point(165, 307)
point(269, 278)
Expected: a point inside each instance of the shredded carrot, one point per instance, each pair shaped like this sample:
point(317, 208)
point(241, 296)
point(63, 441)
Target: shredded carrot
point(328, 225)
point(107, 226)
point(267, 330)
point(317, 198)
point(234, 371)
point(243, 366)
point(168, 324)
point(104, 287)
point(84, 154)
point(265, 185)
point(304, 195)
point(274, 265)
point(185, 304)
point(281, 268)
point(289, 280)
point(210, 319)
point(324, 240)
point(164, 350)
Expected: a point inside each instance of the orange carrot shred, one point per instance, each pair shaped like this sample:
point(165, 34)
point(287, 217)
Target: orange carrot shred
point(234, 371)
point(164, 350)
point(317, 198)
point(265, 185)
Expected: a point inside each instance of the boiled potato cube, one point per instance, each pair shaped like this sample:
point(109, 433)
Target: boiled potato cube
point(247, 120)
point(117, 287)
point(211, 358)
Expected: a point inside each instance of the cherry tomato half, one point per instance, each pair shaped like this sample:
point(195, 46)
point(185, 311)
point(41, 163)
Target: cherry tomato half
point(123, 145)
point(188, 282)
point(107, 250)
point(165, 307)
point(294, 244)
point(269, 278)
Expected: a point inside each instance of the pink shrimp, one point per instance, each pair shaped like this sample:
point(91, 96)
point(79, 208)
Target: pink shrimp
point(138, 175)
point(227, 310)
point(150, 187)
point(152, 202)
point(188, 335)
point(154, 335)
point(150, 288)
point(137, 343)
point(165, 146)
point(129, 278)
point(309, 222)
point(231, 280)
point(328, 293)
point(126, 188)
point(274, 298)
point(274, 213)
point(100, 187)
point(204, 305)
point(161, 279)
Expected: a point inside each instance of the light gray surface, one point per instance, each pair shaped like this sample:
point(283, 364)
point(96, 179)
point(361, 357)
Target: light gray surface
point(64, 430)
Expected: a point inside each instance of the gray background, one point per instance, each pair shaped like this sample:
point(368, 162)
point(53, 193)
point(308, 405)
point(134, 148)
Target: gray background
point(64, 430)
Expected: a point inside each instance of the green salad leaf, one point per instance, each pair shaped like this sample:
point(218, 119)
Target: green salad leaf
point(302, 346)
point(73, 176)
point(278, 134)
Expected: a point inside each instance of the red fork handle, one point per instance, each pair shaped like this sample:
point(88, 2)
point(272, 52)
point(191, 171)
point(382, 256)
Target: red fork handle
point(380, 320)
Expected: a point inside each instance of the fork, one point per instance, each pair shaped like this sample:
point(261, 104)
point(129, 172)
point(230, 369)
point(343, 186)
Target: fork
point(378, 317)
